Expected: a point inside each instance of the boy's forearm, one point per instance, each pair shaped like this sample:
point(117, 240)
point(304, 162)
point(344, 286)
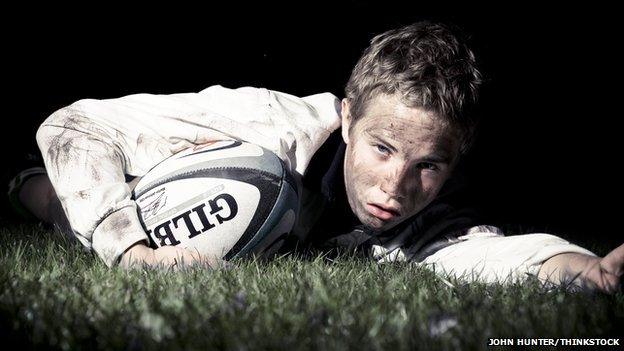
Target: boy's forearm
point(567, 268)
point(588, 272)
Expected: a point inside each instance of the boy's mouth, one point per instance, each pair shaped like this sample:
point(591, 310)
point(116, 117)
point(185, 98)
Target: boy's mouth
point(384, 213)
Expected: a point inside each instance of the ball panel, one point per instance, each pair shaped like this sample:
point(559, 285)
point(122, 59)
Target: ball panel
point(219, 154)
point(208, 223)
point(274, 240)
point(280, 220)
point(157, 204)
point(159, 218)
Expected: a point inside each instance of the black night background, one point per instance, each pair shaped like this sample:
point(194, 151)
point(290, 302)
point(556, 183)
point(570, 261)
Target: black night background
point(546, 157)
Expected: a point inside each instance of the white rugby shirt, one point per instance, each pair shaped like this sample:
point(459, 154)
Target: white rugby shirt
point(89, 146)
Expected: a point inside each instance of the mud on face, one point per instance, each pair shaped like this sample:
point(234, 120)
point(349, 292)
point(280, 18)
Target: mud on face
point(396, 162)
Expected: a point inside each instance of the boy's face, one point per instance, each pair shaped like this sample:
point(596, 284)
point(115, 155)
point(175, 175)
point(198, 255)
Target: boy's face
point(396, 161)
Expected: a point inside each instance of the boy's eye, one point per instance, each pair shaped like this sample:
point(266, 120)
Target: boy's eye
point(427, 165)
point(382, 149)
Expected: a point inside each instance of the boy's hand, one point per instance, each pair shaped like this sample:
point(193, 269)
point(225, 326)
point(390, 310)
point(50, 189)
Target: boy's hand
point(166, 256)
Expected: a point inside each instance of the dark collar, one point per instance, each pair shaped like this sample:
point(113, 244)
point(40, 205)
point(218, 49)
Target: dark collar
point(325, 175)
point(332, 183)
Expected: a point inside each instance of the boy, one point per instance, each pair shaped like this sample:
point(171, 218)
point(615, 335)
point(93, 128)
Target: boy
point(376, 167)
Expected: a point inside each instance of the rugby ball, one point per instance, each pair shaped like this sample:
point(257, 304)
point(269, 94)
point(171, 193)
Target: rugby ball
point(227, 199)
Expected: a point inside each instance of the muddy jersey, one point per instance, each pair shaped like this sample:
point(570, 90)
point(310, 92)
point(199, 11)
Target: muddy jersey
point(90, 146)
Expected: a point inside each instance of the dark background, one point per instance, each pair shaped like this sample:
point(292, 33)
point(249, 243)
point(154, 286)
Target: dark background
point(546, 158)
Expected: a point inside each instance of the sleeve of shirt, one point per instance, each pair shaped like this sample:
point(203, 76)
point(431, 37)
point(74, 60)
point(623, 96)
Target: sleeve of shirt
point(89, 147)
point(86, 171)
point(488, 256)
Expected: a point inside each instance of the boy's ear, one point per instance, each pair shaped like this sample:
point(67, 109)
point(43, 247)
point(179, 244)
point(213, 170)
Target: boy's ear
point(346, 120)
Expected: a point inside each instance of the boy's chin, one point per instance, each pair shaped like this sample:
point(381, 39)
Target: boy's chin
point(378, 225)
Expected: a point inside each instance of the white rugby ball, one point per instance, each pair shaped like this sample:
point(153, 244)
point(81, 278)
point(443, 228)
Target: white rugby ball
point(227, 199)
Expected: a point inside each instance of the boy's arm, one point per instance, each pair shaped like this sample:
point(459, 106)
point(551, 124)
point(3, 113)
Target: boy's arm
point(89, 146)
point(491, 257)
point(590, 272)
point(494, 258)
point(86, 171)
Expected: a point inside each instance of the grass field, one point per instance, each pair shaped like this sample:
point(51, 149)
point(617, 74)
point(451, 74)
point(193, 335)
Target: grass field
point(55, 295)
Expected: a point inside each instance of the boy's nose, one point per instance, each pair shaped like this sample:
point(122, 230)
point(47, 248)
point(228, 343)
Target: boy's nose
point(398, 182)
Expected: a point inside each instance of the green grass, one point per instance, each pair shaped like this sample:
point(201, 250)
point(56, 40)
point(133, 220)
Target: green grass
point(55, 295)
